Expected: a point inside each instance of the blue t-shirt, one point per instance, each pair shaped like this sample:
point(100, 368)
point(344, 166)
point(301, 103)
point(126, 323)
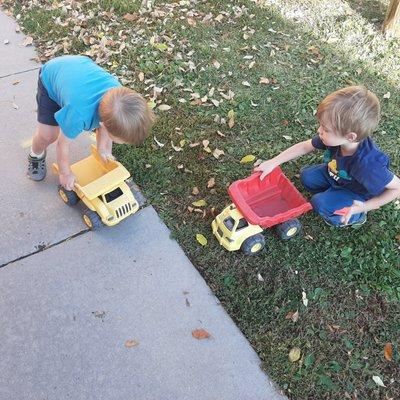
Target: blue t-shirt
point(366, 172)
point(76, 84)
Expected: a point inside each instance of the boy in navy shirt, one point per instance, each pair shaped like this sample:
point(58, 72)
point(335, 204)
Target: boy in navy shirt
point(75, 95)
point(355, 176)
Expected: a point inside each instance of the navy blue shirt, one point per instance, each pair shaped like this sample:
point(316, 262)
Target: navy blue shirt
point(366, 172)
point(76, 84)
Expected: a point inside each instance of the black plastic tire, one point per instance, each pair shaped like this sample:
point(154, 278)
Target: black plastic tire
point(68, 196)
point(289, 229)
point(92, 220)
point(253, 245)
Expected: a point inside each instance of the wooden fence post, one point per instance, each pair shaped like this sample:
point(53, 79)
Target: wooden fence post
point(392, 18)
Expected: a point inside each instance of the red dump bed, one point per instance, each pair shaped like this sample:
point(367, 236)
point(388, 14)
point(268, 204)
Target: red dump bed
point(268, 202)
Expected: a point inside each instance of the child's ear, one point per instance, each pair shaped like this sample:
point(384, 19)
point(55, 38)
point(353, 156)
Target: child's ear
point(351, 137)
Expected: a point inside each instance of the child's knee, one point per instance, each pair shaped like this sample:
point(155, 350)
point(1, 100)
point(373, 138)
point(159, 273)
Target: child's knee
point(306, 177)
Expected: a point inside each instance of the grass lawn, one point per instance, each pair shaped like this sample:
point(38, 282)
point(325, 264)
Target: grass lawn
point(205, 60)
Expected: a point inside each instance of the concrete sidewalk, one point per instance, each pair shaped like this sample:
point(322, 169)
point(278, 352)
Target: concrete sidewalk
point(70, 299)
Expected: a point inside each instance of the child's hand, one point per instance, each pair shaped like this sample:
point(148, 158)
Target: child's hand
point(67, 181)
point(356, 208)
point(106, 156)
point(266, 167)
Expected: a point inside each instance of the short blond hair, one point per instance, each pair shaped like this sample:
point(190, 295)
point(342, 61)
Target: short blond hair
point(351, 109)
point(126, 115)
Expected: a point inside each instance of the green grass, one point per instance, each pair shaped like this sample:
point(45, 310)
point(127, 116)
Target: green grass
point(309, 48)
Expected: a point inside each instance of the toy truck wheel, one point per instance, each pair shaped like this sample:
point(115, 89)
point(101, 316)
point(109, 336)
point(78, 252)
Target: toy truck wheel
point(253, 245)
point(92, 220)
point(288, 229)
point(68, 196)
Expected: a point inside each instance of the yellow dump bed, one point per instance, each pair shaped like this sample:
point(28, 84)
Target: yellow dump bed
point(95, 177)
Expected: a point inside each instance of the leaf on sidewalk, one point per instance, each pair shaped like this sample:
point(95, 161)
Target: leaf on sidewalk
point(131, 343)
point(201, 334)
point(28, 41)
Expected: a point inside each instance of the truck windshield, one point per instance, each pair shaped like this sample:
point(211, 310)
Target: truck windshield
point(114, 194)
point(229, 223)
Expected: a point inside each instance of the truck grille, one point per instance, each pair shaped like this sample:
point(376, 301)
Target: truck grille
point(122, 211)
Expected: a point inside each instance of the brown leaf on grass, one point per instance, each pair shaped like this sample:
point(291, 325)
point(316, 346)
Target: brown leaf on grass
point(195, 190)
point(191, 22)
point(294, 316)
point(131, 343)
point(285, 122)
point(265, 81)
point(397, 237)
point(141, 76)
point(200, 334)
point(217, 153)
point(130, 17)
point(388, 351)
point(211, 183)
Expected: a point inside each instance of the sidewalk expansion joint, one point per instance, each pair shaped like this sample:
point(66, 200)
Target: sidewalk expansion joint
point(19, 72)
point(43, 247)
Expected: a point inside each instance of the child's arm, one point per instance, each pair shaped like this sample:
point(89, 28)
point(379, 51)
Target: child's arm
point(104, 143)
point(67, 178)
point(392, 192)
point(297, 150)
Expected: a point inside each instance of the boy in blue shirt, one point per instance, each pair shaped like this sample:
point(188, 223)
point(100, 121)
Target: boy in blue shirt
point(355, 176)
point(75, 94)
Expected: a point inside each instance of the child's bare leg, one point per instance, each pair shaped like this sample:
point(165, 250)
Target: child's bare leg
point(43, 137)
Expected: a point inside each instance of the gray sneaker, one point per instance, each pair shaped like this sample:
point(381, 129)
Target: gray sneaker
point(36, 168)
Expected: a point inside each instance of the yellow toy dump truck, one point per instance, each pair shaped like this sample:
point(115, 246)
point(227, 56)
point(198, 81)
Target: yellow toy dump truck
point(102, 188)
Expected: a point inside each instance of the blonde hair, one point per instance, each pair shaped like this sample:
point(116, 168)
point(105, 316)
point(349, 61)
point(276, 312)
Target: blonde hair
point(351, 109)
point(126, 115)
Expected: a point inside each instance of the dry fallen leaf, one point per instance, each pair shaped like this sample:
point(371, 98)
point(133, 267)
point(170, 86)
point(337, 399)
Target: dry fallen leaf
point(216, 64)
point(28, 41)
point(211, 183)
point(304, 298)
point(130, 17)
point(294, 316)
point(378, 381)
point(164, 107)
point(201, 239)
point(195, 190)
point(131, 343)
point(386, 95)
point(265, 81)
point(245, 83)
point(141, 76)
point(260, 278)
point(200, 334)
point(388, 351)
point(294, 354)
point(159, 144)
point(217, 153)
point(247, 159)
point(176, 148)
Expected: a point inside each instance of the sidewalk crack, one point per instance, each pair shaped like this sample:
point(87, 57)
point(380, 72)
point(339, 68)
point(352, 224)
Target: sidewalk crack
point(19, 72)
point(41, 248)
